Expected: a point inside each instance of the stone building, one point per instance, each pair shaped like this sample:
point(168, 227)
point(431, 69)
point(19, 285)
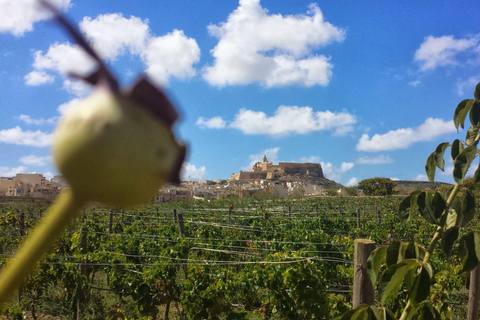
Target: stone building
point(268, 170)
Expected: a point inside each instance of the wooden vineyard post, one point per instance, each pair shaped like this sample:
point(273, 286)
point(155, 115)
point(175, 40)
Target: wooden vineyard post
point(156, 211)
point(289, 211)
point(110, 222)
point(474, 293)
point(363, 291)
point(230, 216)
point(358, 218)
point(379, 218)
point(175, 219)
point(83, 270)
point(316, 210)
point(181, 227)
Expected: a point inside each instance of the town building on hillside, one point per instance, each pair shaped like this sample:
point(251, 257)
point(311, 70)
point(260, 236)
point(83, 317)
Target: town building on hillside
point(268, 170)
point(28, 185)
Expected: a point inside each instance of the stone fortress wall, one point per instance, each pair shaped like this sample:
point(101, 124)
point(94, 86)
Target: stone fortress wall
point(268, 171)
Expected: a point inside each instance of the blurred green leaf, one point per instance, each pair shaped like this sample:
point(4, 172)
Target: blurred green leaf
point(462, 162)
point(431, 205)
point(392, 253)
point(421, 287)
point(469, 250)
point(457, 148)
point(467, 209)
point(439, 152)
point(475, 114)
point(461, 112)
point(476, 93)
point(428, 312)
point(431, 166)
point(393, 277)
point(374, 263)
point(448, 239)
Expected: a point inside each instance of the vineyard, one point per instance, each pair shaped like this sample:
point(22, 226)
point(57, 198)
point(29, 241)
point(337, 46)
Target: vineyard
point(251, 259)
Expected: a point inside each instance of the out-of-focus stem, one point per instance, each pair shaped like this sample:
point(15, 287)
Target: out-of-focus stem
point(36, 245)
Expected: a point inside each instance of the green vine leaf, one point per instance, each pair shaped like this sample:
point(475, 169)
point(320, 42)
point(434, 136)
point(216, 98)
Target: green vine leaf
point(461, 112)
point(462, 162)
point(363, 312)
point(393, 278)
point(449, 238)
point(439, 152)
point(467, 210)
point(476, 93)
point(457, 148)
point(428, 312)
point(374, 263)
point(431, 205)
point(476, 176)
point(473, 135)
point(469, 251)
point(421, 287)
point(431, 166)
point(392, 253)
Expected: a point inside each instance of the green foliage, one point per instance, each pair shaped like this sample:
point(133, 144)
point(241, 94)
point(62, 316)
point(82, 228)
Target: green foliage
point(406, 266)
point(377, 186)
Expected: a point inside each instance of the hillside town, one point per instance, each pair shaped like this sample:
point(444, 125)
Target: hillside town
point(263, 180)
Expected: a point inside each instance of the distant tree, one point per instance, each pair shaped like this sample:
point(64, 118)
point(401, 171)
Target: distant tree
point(377, 186)
point(351, 191)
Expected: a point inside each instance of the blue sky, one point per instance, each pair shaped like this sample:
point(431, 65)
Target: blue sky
point(366, 88)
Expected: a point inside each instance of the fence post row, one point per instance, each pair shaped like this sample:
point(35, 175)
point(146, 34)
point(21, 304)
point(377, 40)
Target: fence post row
point(83, 270)
point(363, 291)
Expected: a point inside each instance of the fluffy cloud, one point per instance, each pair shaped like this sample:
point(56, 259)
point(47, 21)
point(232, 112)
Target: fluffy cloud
point(33, 160)
point(292, 120)
point(172, 55)
point(36, 78)
point(113, 35)
point(405, 137)
point(271, 49)
point(467, 86)
point(212, 123)
point(27, 138)
point(421, 177)
point(191, 172)
point(352, 182)
point(29, 120)
point(442, 51)
point(10, 172)
point(335, 173)
point(381, 159)
point(18, 16)
point(271, 153)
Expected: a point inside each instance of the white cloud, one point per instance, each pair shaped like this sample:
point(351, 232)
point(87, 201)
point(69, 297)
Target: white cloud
point(36, 161)
point(381, 159)
point(212, 123)
point(67, 106)
point(36, 78)
point(191, 172)
point(271, 153)
point(421, 177)
point(394, 179)
point(467, 86)
point(352, 182)
point(292, 120)
point(442, 51)
point(29, 120)
point(271, 49)
point(311, 159)
point(415, 83)
point(18, 16)
point(48, 175)
point(113, 35)
point(10, 172)
point(172, 55)
point(27, 138)
point(405, 137)
point(334, 173)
